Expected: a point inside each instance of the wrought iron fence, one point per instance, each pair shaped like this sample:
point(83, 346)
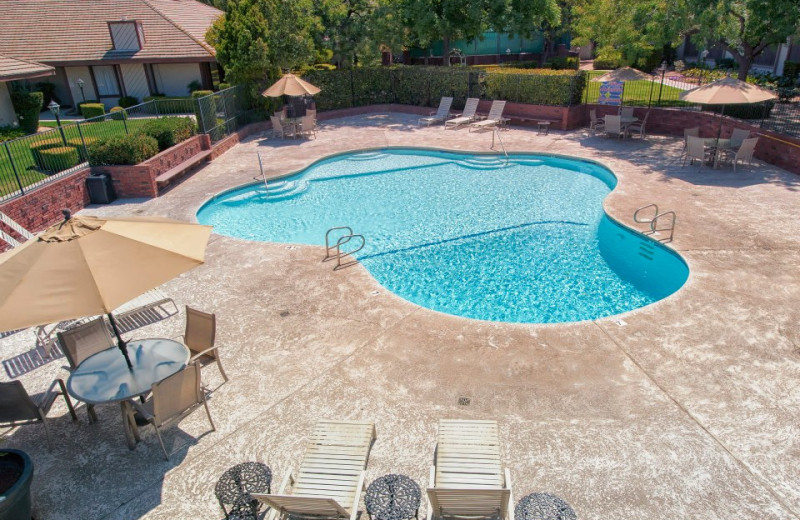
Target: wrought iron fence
point(34, 160)
point(782, 116)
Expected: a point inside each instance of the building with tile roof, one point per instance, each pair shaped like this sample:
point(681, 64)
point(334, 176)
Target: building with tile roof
point(116, 48)
point(12, 70)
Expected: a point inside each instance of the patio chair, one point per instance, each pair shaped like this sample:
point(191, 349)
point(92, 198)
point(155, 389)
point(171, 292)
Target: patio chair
point(467, 116)
point(200, 337)
point(176, 396)
point(440, 115)
point(83, 341)
point(277, 127)
point(595, 124)
point(638, 127)
point(613, 126)
point(494, 118)
point(626, 111)
point(743, 153)
point(331, 475)
point(18, 408)
point(308, 126)
point(696, 150)
point(738, 136)
point(467, 480)
point(694, 132)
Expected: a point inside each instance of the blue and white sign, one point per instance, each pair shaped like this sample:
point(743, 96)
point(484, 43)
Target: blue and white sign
point(611, 93)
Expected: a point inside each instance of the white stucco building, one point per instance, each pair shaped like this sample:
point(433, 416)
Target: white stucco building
point(14, 70)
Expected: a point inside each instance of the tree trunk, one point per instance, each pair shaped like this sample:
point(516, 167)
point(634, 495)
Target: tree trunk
point(744, 65)
point(446, 50)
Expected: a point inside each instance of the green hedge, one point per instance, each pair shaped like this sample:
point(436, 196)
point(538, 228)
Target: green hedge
point(165, 105)
point(9, 133)
point(118, 114)
point(90, 110)
point(127, 101)
point(57, 158)
point(205, 110)
point(168, 131)
point(39, 146)
point(749, 111)
point(536, 87)
point(27, 105)
point(77, 142)
point(122, 150)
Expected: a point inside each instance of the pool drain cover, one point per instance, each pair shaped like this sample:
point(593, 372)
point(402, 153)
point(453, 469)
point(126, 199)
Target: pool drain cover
point(464, 401)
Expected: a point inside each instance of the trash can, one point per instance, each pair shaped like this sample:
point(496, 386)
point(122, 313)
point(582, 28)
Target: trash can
point(101, 189)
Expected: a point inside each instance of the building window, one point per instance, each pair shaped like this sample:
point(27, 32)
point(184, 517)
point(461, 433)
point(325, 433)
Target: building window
point(105, 78)
point(126, 36)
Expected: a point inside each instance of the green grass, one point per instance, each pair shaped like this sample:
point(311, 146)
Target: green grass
point(23, 160)
point(639, 93)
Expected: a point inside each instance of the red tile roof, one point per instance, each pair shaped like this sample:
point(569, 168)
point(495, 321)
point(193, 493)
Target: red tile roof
point(11, 69)
point(64, 31)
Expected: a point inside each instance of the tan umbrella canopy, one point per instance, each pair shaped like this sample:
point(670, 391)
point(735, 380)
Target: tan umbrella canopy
point(84, 266)
point(622, 75)
point(290, 85)
point(727, 91)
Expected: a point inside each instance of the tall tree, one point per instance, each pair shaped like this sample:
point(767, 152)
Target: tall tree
point(744, 28)
point(354, 30)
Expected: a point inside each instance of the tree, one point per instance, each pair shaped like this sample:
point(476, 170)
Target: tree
point(255, 39)
point(744, 28)
point(354, 30)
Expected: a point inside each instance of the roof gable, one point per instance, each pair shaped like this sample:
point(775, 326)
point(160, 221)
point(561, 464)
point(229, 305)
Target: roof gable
point(11, 69)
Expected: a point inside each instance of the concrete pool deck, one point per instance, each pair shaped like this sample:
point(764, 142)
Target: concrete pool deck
point(686, 408)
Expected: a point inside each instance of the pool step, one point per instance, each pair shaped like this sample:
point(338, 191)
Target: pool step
point(646, 250)
point(483, 163)
point(282, 190)
point(367, 156)
point(529, 162)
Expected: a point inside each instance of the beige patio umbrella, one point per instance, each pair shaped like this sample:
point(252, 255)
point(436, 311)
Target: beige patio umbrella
point(622, 75)
point(84, 266)
point(290, 85)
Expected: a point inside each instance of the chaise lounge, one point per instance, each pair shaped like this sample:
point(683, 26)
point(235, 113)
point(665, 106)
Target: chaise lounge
point(465, 117)
point(440, 115)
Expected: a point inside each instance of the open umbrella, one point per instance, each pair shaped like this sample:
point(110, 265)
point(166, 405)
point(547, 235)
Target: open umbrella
point(622, 75)
point(726, 91)
point(291, 85)
point(84, 266)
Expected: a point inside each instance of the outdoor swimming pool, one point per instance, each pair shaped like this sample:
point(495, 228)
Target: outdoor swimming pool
point(467, 234)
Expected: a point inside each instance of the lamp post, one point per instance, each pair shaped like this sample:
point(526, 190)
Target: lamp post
point(80, 86)
point(55, 109)
point(663, 69)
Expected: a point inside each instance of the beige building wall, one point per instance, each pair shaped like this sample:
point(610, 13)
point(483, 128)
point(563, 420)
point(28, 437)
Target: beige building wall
point(73, 74)
point(172, 78)
point(7, 115)
point(135, 80)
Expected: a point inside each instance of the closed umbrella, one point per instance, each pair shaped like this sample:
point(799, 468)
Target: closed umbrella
point(84, 266)
point(291, 85)
point(622, 75)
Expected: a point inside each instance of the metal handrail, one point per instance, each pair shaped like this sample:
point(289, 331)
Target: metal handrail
point(328, 246)
point(502, 145)
point(671, 228)
point(263, 175)
point(643, 221)
point(343, 240)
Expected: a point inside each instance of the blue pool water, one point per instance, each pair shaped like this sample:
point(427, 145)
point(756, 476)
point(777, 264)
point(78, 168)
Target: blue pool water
point(465, 234)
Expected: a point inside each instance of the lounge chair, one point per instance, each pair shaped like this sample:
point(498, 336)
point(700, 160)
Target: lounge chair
point(613, 126)
point(743, 153)
point(331, 475)
point(467, 480)
point(494, 118)
point(17, 407)
point(440, 115)
point(467, 116)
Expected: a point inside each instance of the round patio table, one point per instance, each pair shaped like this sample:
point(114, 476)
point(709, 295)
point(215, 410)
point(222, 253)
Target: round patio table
point(105, 377)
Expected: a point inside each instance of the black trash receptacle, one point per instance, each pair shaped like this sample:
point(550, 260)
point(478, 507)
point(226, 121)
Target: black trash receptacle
point(101, 189)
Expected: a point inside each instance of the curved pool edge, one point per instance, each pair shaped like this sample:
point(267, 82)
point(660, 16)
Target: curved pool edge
point(612, 218)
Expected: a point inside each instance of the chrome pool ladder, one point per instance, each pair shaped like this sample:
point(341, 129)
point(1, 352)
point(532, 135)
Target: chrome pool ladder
point(668, 216)
point(263, 175)
point(337, 247)
point(496, 131)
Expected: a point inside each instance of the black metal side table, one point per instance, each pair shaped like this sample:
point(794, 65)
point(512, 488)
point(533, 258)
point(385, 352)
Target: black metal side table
point(393, 497)
point(543, 127)
point(236, 484)
point(543, 506)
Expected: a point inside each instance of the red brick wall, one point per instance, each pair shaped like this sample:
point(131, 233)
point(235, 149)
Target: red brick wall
point(131, 181)
point(177, 154)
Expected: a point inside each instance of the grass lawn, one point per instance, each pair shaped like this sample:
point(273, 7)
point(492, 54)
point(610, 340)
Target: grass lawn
point(639, 93)
point(23, 159)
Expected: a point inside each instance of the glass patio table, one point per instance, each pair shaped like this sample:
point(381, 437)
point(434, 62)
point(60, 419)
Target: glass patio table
point(717, 146)
point(105, 377)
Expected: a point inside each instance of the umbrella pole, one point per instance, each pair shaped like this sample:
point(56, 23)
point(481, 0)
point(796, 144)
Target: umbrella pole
point(120, 342)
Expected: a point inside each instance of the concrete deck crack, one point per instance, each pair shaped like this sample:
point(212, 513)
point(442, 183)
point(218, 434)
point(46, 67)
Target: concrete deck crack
point(767, 485)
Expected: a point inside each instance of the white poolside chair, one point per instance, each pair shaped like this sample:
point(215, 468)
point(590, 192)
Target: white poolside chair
point(638, 127)
point(494, 118)
point(696, 150)
point(595, 124)
point(613, 126)
point(468, 480)
point(694, 132)
point(441, 115)
point(331, 475)
point(467, 116)
point(626, 111)
point(743, 153)
point(738, 136)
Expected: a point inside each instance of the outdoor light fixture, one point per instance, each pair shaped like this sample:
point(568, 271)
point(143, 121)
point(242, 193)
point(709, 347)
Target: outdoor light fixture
point(80, 86)
point(55, 109)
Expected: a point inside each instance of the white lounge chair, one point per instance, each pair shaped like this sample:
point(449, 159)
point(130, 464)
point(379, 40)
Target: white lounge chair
point(441, 114)
point(467, 116)
point(331, 475)
point(494, 118)
point(467, 480)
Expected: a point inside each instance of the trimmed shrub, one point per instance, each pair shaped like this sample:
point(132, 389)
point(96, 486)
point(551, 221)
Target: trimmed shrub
point(127, 101)
point(122, 150)
point(9, 133)
point(749, 111)
point(608, 60)
point(90, 110)
point(169, 131)
point(164, 105)
point(563, 63)
point(118, 114)
point(536, 87)
point(41, 145)
point(27, 105)
point(78, 144)
point(223, 85)
point(194, 86)
point(205, 110)
point(57, 158)
point(48, 91)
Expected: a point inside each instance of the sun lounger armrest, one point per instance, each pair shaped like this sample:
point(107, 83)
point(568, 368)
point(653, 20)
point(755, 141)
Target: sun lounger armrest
point(510, 495)
point(357, 498)
point(431, 483)
point(273, 513)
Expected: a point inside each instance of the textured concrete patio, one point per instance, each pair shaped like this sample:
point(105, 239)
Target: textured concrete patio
point(687, 408)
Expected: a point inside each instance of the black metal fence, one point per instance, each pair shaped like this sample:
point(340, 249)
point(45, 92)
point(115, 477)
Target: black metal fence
point(782, 116)
point(34, 160)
